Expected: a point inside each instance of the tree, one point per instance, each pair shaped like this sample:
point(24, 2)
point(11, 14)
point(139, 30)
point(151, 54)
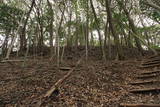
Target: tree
point(23, 34)
point(110, 20)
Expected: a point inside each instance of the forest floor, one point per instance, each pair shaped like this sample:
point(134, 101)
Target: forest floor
point(95, 84)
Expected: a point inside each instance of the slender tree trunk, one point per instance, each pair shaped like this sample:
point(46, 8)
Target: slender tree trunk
point(129, 39)
point(1, 1)
point(123, 32)
point(5, 44)
point(131, 23)
point(135, 33)
point(58, 38)
point(151, 4)
point(109, 45)
point(98, 30)
point(40, 31)
point(145, 32)
point(51, 28)
point(77, 28)
point(69, 30)
point(87, 32)
point(92, 39)
point(13, 39)
point(96, 20)
point(116, 38)
point(106, 35)
point(23, 41)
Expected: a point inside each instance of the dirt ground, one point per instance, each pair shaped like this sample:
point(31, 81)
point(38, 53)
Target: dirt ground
point(92, 84)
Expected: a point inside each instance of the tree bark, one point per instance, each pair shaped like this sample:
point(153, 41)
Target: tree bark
point(23, 41)
point(98, 30)
point(5, 44)
point(51, 28)
point(132, 25)
point(58, 37)
point(116, 38)
point(151, 4)
point(69, 40)
point(87, 32)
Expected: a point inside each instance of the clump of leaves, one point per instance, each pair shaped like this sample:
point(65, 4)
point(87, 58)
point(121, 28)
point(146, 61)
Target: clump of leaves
point(9, 17)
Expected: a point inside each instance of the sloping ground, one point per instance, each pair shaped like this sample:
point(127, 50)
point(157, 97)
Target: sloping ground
point(96, 84)
point(94, 52)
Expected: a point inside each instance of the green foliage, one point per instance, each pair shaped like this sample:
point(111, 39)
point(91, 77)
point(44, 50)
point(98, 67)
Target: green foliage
point(149, 11)
point(152, 29)
point(94, 25)
point(120, 16)
point(9, 17)
point(156, 47)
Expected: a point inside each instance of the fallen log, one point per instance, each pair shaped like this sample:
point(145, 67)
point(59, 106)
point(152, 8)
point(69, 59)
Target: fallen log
point(139, 105)
point(145, 90)
point(144, 82)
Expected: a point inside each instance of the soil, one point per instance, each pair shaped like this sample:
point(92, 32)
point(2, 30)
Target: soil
point(93, 83)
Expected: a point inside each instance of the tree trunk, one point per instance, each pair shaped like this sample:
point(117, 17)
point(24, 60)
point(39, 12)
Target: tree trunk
point(131, 23)
point(69, 30)
point(1, 1)
point(51, 28)
point(87, 32)
point(13, 39)
point(23, 41)
point(151, 4)
point(58, 37)
point(98, 30)
point(40, 31)
point(129, 39)
point(92, 39)
point(77, 28)
point(97, 24)
point(145, 32)
point(116, 38)
point(5, 44)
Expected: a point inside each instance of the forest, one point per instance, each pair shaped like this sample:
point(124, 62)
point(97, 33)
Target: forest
point(79, 53)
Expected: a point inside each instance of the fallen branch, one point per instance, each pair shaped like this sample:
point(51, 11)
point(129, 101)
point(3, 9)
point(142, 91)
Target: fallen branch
point(139, 105)
point(60, 81)
point(65, 68)
point(152, 4)
point(5, 61)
